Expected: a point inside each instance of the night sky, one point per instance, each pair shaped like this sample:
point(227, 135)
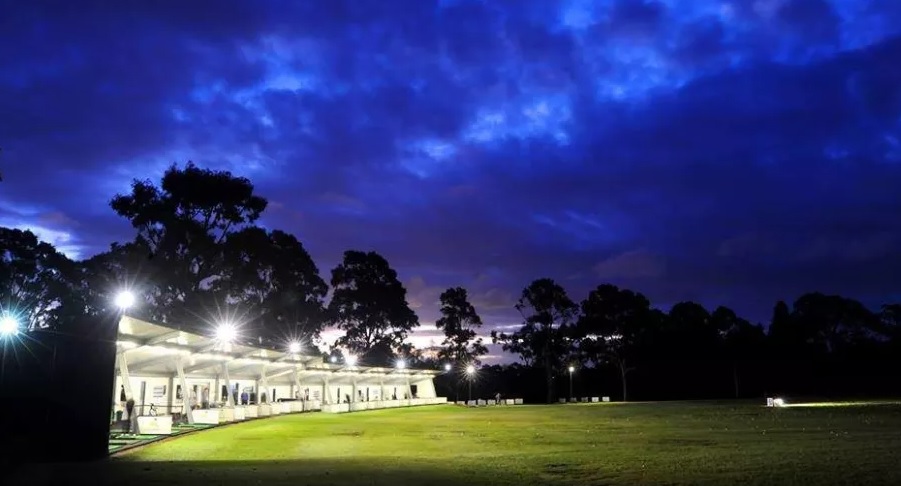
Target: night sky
point(727, 152)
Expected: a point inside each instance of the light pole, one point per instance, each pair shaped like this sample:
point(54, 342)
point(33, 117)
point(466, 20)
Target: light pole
point(470, 371)
point(571, 369)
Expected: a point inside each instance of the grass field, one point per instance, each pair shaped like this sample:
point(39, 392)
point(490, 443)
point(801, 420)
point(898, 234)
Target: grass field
point(590, 444)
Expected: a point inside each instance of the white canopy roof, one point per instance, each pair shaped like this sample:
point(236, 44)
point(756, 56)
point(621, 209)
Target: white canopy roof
point(153, 349)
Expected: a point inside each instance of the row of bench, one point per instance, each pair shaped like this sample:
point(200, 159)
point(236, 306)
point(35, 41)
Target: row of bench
point(486, 403)
point(380, 404)
point(162, 424)
point(585, 400)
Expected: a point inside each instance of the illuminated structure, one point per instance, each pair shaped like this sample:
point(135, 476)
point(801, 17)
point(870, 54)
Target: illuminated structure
point(223, 380)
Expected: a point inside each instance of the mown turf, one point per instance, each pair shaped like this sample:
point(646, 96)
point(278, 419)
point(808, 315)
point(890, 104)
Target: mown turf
point(591, 444)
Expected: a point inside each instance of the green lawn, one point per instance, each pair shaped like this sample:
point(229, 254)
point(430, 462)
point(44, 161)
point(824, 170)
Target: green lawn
point(587, 444)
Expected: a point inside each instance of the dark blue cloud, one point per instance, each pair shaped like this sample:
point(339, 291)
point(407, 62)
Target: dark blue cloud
point(724, 151)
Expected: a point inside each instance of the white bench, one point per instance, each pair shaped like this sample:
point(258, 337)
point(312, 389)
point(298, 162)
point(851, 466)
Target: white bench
point(226, 415)
point(240, 413)
point(208, 417)
point(155, 425)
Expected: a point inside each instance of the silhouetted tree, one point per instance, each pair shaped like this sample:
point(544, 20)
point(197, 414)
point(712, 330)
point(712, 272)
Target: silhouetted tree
point(832, 322)
point(459, 321)
point(35, 279)
point(611, 328)
point(184, 223)
point(370, 304)
point(547, 313)
point(101, 277)
point(276, 281)
point(742, 341)
point(890, 321)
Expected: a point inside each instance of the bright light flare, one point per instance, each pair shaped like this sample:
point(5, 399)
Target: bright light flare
point(401, 364)
point(125, 299)
point(572, 368)
point(470, 369)
point(351, 360)
point(447, 367)
point(226, 333)
point(9, 326)
point(294, 347)
point(778, 402)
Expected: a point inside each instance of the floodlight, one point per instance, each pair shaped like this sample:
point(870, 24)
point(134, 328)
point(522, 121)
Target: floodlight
point(778, 402)
point(125, 299)
point(401, 364)
point(350, 360)
point(470, 369)
point(9, 326)
point(447, 367)
point(294, 347)
point(333, 359)
point(226, 332)
point(572, 368)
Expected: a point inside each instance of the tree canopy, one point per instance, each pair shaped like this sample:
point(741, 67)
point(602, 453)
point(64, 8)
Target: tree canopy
point(184, 223)
point(369, 304)
point(547, 313)
point(459, 321)
point(35, 279)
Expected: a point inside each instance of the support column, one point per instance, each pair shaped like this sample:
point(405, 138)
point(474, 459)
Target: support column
point(353, 390)
point(171, 395)
point(265, 384)
point(185, 393)
point(115, 388)
point(123, 372)
point(326, 392)
point(230, 401)
point(382, 388)
point(409, 390)
point(297, 387)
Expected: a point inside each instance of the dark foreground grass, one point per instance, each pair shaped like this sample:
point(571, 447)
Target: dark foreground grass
point(597, 444)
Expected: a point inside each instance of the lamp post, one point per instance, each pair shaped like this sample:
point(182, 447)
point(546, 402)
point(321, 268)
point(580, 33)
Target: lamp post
point(571, 369)
point(470, 371)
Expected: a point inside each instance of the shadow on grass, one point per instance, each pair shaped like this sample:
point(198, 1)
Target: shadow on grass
point(319, 472)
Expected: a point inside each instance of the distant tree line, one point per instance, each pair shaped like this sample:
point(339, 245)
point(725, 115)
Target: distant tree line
point(198, 257)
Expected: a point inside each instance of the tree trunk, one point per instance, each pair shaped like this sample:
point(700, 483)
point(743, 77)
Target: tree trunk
point(622, 375)
point(549, 377)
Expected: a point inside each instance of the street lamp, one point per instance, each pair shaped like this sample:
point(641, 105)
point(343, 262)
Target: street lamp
point(294, 347)
point(124, 300)
point(470, 371)
point(9, 326)
point(447, 366)
point(401, 364)
point(571, 369)
point(226, 332)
